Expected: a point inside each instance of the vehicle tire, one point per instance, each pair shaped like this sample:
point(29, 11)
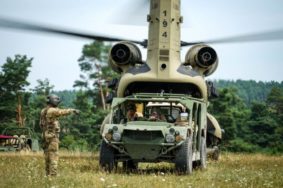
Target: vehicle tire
point(203, 154)
point(130, 165)
point(106, 157)
point(184, 157)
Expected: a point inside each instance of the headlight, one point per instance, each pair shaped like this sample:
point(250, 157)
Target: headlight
point(115, 128)
point(116, 137)
point(171, 130)
point(170, 138)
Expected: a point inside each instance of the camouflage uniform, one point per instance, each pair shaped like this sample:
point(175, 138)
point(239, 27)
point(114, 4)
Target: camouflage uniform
point(50, 134)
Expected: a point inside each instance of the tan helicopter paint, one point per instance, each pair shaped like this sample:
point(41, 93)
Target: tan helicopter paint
point(163, 49)
point(215, 124)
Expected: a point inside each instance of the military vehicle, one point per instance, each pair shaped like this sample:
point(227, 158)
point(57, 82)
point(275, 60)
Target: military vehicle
point(162, 77)
point(9, 143)
point(18, 139)
point(150, 139)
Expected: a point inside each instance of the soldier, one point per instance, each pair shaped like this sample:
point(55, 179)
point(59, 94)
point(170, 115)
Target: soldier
point(50, 132)
point(132, 114)
point(156, 115)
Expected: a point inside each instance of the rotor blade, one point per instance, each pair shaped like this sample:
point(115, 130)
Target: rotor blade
point(183, 43)
point(135, 15)
point(19, 25)
point(254, 37)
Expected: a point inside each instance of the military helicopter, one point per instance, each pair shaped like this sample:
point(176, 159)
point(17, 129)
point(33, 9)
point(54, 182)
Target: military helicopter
point(162, 74)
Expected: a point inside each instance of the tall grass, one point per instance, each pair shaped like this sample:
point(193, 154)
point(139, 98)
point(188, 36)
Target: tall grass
point(82, 170)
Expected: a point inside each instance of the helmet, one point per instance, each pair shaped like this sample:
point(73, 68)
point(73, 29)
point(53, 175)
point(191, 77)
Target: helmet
point(53, 100)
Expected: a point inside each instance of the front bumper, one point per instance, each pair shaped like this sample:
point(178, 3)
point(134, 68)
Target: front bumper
point(145, 143)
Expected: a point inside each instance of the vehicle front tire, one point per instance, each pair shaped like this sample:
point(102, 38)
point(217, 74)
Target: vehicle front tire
point(106, 157)
point(184, 157)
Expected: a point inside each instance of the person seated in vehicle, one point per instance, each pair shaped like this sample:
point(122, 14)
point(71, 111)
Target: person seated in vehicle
point(132, 114)
point(156, 116)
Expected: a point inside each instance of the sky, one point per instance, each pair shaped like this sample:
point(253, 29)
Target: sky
point(55, 56)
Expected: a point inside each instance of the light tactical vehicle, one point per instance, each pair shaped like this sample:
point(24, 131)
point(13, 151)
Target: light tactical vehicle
point(179, 137)
point(18, 139)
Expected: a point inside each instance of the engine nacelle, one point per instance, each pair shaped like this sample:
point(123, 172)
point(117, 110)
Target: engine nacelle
point(202, 58)
point(123, 55)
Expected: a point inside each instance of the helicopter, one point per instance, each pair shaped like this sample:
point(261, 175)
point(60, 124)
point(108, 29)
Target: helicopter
point(243, 20)
point(162, 72)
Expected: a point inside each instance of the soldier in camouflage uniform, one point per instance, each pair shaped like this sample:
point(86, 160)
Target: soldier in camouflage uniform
point(50, 132)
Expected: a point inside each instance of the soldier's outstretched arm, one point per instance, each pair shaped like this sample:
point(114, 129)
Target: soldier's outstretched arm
point(56, 112)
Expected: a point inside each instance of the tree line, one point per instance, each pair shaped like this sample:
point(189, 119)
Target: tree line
point(250, 112)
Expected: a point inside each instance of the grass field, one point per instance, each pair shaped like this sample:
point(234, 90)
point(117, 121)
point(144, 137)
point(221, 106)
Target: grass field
point(82, 170)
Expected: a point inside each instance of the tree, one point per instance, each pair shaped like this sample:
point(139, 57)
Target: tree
point(265, 123)
point(43, 88)
point(82, 126)
point(231, 113)
point(261, 125)
point(96, 73)
point(13, 82)
point(250, 90)
point(275, 104)
point(90, 98)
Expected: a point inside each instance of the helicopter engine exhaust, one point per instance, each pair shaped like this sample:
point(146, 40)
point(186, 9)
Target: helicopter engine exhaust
point(202, 58)
point(124, 54)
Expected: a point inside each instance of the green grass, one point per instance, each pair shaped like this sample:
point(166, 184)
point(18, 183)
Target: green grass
point(82, 170)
